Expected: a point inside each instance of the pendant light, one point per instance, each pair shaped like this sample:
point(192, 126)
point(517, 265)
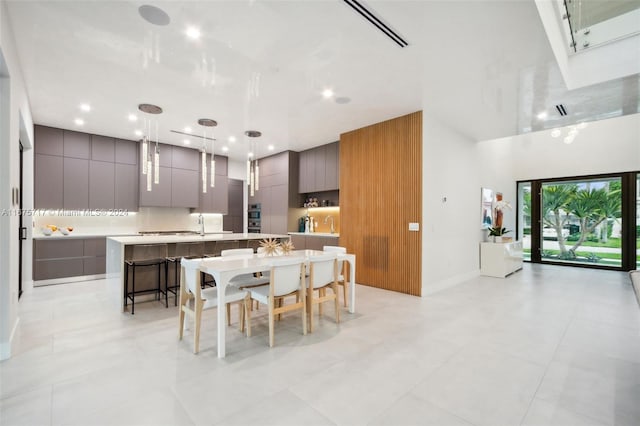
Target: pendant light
point(205, 123)
point(150, 163)
point(253, 170)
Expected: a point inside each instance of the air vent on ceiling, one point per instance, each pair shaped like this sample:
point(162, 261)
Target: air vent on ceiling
point(561, 109)
point(379, 24)
point(193, 134)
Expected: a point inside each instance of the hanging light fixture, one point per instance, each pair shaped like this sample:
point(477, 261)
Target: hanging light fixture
point(253, 170)
point(207, 122)
point(150, 163)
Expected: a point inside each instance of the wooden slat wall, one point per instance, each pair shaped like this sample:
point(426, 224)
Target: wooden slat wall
point(380, 193)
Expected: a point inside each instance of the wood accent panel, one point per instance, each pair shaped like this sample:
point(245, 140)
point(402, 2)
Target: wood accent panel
point(380, 193)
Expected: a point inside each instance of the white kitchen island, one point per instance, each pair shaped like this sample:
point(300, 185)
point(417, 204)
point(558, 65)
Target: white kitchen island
point(117, 249)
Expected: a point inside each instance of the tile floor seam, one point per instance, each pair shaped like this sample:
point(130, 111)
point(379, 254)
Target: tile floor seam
point(546, 368)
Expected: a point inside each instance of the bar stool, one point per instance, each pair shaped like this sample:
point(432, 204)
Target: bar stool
point(144, 255)
point(190, 250)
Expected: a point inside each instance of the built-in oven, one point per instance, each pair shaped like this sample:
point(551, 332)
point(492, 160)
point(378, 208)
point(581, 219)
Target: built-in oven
point(253, 218)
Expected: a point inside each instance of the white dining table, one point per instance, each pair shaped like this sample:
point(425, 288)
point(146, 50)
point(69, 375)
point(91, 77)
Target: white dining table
point(223, 269)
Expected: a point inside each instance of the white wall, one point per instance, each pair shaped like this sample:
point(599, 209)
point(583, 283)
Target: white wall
point(451, 228)
point(457, 167)
point(14, 109)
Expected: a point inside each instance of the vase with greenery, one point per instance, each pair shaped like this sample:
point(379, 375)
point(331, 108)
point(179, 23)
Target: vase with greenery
point(496, 233)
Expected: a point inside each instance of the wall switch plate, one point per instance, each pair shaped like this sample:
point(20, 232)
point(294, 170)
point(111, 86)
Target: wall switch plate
point(414, 226)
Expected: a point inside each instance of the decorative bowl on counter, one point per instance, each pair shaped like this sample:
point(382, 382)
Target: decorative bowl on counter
point(46, 231)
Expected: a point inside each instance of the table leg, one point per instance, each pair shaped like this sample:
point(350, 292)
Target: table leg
point(352, 286)
point(222, 324)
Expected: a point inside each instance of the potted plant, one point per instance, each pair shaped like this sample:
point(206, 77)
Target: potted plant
point(497, 232)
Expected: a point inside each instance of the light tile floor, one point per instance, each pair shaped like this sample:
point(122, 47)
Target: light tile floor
point(546, 346)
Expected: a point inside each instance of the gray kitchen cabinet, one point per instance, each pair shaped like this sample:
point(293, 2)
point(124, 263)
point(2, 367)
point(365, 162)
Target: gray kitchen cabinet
point(48, 140)
point(166, 154)
point(332, 167)
point(184, 188)
point(313, 242)
point(103, 148)
point(76, 144)
point(126, 187)
point(160, 194)
point(60, 258)
point(76, 170)
point(126, 152)
point(234, 219)
point(319, 169)
point(75, 184)
point(216, 199)
point(278, 192)
point(48, 181)
point(320, 160)
point(101, 185)
point(184, 158)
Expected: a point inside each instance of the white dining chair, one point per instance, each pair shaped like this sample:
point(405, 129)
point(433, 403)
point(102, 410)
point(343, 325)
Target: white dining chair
point(286, 279)
point(323, 274)
point(341, 273)
point(244, 280)
point(194, 300)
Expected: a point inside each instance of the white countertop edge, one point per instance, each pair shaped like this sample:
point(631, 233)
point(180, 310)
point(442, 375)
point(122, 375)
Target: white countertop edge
point(58, 236)
point(159, 239)
point(315, 234)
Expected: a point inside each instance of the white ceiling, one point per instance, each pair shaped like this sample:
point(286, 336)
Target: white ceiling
point(484, 67)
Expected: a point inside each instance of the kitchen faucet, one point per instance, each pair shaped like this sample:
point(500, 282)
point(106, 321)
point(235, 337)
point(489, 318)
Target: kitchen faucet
point(201, 223)
point(332, 226)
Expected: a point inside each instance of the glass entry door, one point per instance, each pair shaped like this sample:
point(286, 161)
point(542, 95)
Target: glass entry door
point(581, 222)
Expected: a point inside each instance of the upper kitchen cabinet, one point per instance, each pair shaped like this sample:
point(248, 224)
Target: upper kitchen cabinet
point(278, 193)
point(77, 145)
point(103, 149)
point(178, 186)
point(77, 171)
point(319, 168)
point(48, 140)
point(216, 199)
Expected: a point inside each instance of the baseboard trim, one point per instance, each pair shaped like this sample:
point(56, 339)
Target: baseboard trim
point(67, 280)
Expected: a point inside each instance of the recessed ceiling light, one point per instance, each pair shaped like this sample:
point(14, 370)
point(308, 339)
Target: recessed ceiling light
point(79, 121)
point(187, 129)
point(542, 115)
point(133, 117)
point(232, 139)
point(138, 132)
point(186, 142)
point(327, 93)
point(225, 149)
point(250, 154)
point(85, 107)
point(193, 33)
point(555, 133)
point(270, 147)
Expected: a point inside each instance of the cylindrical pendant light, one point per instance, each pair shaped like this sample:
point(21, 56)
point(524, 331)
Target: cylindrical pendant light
point(150, 163)
point(207, 122)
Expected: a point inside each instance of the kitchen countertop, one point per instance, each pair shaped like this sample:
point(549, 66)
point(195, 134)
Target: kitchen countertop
point(159, 239)
point(58, 236)
point(315, 234)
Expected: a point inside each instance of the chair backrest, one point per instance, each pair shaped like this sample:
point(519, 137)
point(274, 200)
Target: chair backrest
point(190, 275)
point(141, 252)
point(194, 249)
point(323, 269)
point(339, 250)
point(237, 252)
point(286, 275)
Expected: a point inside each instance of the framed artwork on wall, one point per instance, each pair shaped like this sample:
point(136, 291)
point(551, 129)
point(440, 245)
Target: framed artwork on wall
point(486, 203)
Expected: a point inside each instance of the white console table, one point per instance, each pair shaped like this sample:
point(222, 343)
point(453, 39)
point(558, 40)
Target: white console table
point(500, 259)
